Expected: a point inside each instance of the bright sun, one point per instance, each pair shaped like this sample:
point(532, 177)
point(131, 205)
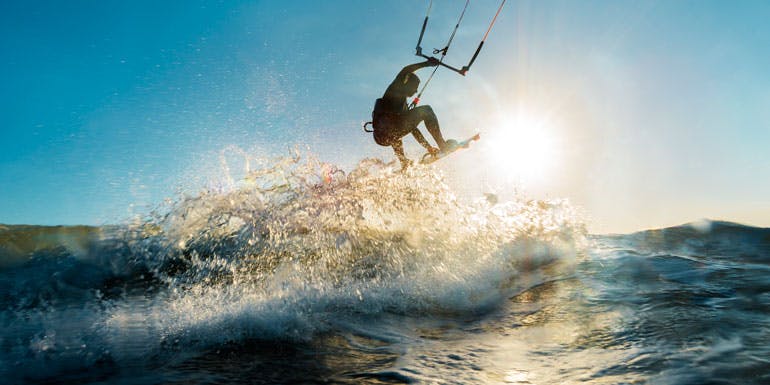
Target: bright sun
point(523, 148)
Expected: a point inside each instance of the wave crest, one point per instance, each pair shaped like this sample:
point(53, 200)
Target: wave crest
point(306, 223)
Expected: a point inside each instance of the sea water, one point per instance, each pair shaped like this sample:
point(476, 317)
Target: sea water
point(301, 273)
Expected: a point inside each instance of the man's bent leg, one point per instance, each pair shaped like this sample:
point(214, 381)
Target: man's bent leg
point(426, 114)
point(398, 148)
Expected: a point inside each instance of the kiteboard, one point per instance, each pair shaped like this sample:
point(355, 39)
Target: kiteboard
point(452, 146)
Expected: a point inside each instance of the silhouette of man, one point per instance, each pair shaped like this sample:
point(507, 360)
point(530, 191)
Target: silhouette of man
point(392, 119)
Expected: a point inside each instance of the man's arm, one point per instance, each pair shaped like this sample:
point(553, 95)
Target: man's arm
point(432, 62)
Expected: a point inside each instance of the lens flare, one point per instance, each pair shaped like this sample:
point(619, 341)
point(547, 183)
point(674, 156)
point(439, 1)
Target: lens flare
point(523, 148)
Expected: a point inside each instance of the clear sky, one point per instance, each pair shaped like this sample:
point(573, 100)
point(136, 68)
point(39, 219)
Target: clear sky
point(643, 113)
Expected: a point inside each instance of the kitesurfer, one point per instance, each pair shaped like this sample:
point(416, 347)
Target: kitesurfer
point(392, 119)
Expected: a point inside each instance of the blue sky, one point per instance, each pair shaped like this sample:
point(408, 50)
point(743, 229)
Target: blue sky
point(644, 114)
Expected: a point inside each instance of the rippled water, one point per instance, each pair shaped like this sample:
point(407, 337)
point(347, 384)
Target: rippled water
point(304, 274)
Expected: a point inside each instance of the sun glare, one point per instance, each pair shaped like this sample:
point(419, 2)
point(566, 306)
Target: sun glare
point(522, 148)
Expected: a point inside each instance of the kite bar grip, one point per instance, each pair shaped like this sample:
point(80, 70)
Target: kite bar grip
point(459, 71)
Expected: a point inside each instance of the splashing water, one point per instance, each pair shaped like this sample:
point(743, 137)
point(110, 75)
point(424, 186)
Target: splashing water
point(369, 241)
point(297, 272)
point(295, 249)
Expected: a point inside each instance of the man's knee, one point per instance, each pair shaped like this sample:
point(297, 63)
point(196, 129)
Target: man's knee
point(426, 110)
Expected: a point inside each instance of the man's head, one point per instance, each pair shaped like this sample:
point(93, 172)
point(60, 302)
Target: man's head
point(410, 84)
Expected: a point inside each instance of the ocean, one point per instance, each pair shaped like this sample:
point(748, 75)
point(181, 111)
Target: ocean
point(304, 274)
